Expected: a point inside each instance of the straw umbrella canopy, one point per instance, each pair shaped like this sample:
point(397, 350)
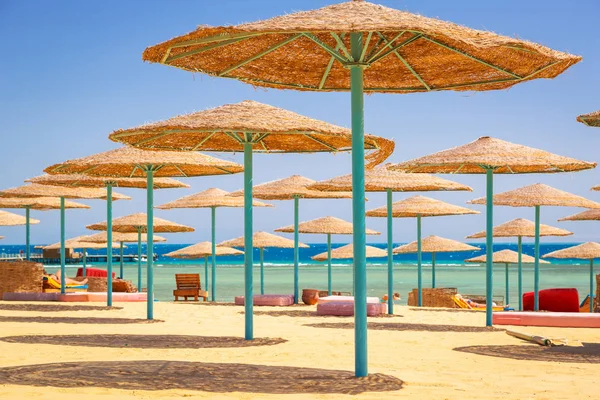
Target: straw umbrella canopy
point(260, 240)
point(521, 228)
point(127, 162)
point(204, 250)
point(434, 244)
point(585, 251)
point(37, 190)
point(418, 207)
point(360, 46)
point(591, 119)
point(588, 215)
point(211, 198)
point(328, 226)
point(491, 156)
point(347, 252)
point(538, 195)
point(11, 219)
point(382, 179)
point(293, 188)
point(79, 242)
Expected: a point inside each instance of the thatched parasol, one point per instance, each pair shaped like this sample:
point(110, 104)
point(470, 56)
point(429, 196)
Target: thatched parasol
point(261, 240)
point(591, 119)
point(360, 46)
point(434, 244)
point(328, 226)
point(538, 195)
point(585, 251)
point(418, 207)
point(491, 156)
point(203, 250)
point(347, 252)
point(211, 198)
point(382, 179)
point(293, 188)
point(11, 219)
point(79, 180)
point(79, 242)
point(520, 228)
point(589, 215)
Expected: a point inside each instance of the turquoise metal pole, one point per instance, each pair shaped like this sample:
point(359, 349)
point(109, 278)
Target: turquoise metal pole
point(150, 241)
point(329, 271)
point(262, 271)
point(433, 270)
point(536, 273)
point(27, 233)
point(520, 266)
point(592, 285)
point(419, 264)
point(358, 207)
point(506, 301)
point(84, 269)
point(489, 244)
point(248, 277)
point(206, 273)
point(121, 269)
point(213, 277)
point(390, 261)
point(63, 272)
point(139, 249)
point(296, 249)
point(109, 242)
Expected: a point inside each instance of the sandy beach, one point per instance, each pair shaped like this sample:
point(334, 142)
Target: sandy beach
point(195, 351)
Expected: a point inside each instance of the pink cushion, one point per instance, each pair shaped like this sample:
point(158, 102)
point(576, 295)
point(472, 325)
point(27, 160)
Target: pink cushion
point(349, 299)
point(346, 308)
point(554, 319)
point(268, 300)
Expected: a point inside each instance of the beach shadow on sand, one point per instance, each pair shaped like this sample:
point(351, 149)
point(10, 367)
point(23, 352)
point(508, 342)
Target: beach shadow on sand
point(144, 341)
point(54, 307)
point(199, 376)
point(311, 314)
point(589, 353)
point(392, 326)
point(78, 320)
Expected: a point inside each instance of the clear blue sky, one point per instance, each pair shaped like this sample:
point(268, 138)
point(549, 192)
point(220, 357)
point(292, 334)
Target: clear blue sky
point(71, 73)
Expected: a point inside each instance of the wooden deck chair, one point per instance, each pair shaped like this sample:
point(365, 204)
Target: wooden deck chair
point(188, 285)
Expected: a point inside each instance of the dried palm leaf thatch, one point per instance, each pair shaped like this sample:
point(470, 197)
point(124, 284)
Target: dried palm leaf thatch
point(288, 188)
point(212, 197)
point(404, 52)
point(128, 162)
point(420, 206)
point(486, 152)
point(11, 219)
point(596, 188)
point(538, 195)
point(203, 249)
point(521, 227)
point(121, 237)
point(131, 223)
point(591, 119)
point(589, 215)
point(38, 203)
point(505, 257)
point(585, 251)
point(269, 129)
point(263, 240)
point(435, 244)
point(381, 179)
point(78, 180)
point(325, 225)
point(37, 190)
point(79, 242)
point(347, 252)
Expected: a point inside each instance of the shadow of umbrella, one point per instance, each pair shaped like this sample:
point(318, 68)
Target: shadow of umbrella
point(392, 326)
point(54, 307)
point(72, 320)
point(589, 353)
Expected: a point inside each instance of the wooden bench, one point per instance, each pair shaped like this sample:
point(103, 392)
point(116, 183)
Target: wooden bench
point(188, 285)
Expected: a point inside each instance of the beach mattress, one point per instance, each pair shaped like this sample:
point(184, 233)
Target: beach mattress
point(97, 272)
point(82, 297)
point(268, 300)
point(557, 300)
point(552, 319)
point(348, 299)
point(346, 308)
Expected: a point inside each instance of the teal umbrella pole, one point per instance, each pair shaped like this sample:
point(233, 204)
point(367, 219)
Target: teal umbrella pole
point(150, 241)
point(358, 206)
point(121, 269)
point(248, 277)
point(489, 244)
point(109, 255)
point(329, 271)
point(206, 272)
point(536, 272)
point(520, 266)
point(63, 272)
point(592, 285)
point(296, 249)
point(419, 264)
point(262, 271)
point(213, 271)
point(84, 269)
point(433, 270)
point(506, 302)
point(139, 249)
point(390, 261)
point(27, 234)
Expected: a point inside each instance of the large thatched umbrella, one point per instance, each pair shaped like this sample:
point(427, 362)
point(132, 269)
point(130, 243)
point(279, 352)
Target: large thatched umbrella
point(37, 190)
point(382, 179)
point(434, 244)
point(418, 207)
point(203, 250)
point(491, 156)
point(293, 188)
point(35, 203)
point(591, 119)
point(10, 219)
point(359, 46)
point(211, 198)
point(255, 127)
point(81, 242)
point(538, 195)
point(520, 228)
point(262, 240)
point(328, 226)
point(585, 251)
point(347, 252)
point(127, 162)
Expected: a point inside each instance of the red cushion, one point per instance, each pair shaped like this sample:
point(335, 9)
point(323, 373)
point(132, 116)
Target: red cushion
point(101, 273)
point(558, 300)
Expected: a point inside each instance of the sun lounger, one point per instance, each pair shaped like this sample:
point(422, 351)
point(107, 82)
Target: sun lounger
point(188, 285)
